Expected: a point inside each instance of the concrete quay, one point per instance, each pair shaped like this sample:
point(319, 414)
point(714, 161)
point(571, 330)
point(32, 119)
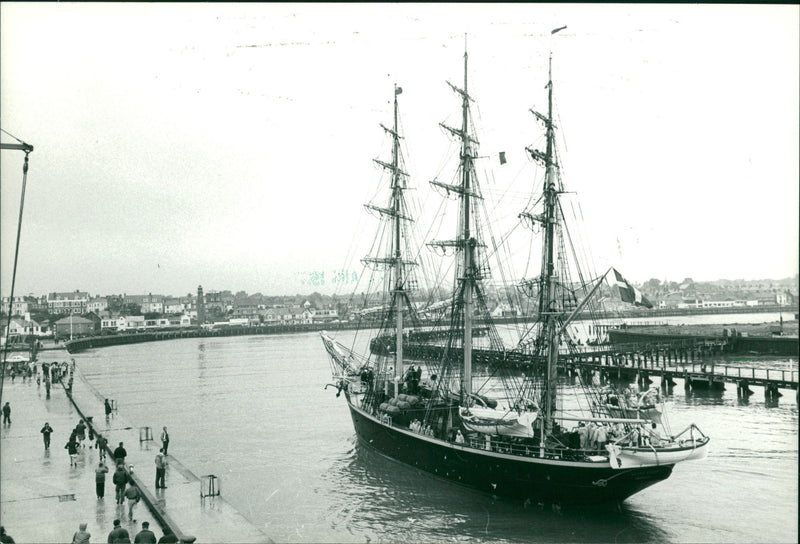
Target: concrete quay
point(43, 499)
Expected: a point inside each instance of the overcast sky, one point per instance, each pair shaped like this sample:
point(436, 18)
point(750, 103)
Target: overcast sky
point(231, 145)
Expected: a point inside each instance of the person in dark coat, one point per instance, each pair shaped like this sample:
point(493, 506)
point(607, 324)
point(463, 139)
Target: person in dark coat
point(80, 432)
point(120, 454)
point(101, 445)
point(120, 480)
point(5, 538)
point(145, 536)
point(108, 408)
point(72, 449)
point(6, 414)
point(100, 480)
point(168, 538)
point(46, 431)
point(118, 534)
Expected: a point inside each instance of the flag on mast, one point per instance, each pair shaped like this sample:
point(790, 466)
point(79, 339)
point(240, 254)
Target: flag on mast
point(629, 293)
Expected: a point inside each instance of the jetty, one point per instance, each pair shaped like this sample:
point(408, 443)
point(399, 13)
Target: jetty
point(44, 498)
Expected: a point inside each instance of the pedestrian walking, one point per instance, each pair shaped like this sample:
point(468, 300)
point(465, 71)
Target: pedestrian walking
point(118, 535)
point(46, 431)
point(101, 446)
point(100, 479)
point(133, 495)
point(80, 432)
point(120, 454)
point(165, 440)
point(81, 536)
point(161, 469)
point(145, 536)
point(6, 414)
point(72, 449)
point(120, 479)
point(108, 408)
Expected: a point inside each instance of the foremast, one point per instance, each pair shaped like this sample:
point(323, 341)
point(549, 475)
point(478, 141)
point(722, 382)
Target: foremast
point(394, 260)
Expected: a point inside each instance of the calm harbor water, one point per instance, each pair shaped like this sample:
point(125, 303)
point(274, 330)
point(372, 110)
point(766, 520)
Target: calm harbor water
point(252, 410)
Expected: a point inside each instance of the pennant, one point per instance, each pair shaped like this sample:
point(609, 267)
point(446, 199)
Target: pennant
point(629, 293)
point(502, 157)
point(398, 90)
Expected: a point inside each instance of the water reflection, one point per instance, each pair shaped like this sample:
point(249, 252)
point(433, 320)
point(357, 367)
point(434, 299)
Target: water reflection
point(379, 493)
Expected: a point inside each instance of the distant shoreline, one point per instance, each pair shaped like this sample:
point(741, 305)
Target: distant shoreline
point(92, 342)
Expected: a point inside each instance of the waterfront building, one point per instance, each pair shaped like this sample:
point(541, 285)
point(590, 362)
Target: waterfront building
point(97, 305)
point(22, 326)
point(67, 303)
point(149, 303)
point(173, 305)
point(21, 305)
point(73, 325)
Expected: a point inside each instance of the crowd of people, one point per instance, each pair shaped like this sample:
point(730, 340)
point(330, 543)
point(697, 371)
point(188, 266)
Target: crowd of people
point(83, 438)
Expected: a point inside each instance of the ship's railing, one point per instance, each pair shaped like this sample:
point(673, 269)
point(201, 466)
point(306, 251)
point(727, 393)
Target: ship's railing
point(530, 450)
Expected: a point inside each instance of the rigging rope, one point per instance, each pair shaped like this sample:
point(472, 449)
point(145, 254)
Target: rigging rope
point(14, 270)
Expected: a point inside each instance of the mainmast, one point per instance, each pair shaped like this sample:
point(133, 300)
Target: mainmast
point(465, 242)
point(469, 242)
point(548, 304)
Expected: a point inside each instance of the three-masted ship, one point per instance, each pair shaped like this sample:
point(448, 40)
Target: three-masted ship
point(414, 396)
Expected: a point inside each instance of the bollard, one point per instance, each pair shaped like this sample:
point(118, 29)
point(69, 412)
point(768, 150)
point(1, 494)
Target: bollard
point(209, 486)
point(145, 434)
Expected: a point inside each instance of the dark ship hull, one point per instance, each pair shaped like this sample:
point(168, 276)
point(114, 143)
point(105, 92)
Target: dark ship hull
point(550, 480)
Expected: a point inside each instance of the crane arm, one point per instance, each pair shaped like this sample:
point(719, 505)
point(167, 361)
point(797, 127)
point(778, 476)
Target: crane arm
point(22, 147)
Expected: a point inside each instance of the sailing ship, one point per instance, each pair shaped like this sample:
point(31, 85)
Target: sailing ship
point(446, 396)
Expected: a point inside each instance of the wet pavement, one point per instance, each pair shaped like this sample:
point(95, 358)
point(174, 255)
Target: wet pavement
point(43, 499)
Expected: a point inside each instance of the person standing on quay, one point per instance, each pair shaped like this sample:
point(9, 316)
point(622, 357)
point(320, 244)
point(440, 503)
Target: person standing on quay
point(6, 414)
point(145, 536)
point(108, 409)
point(100, 480)
point(118, 534)
point(161, 469)
point(164, 441)
point(46, 431)
point(81, 536)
